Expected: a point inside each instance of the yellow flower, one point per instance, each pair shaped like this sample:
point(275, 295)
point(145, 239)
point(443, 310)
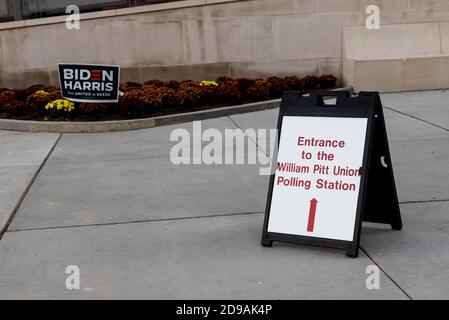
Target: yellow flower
point(41, 92)
point(208, 83)
point(61, 104)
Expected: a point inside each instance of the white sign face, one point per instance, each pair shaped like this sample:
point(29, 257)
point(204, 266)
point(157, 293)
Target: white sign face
point(317, 181)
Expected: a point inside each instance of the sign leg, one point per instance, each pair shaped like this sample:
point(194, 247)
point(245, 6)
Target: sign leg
point(267, 243)
point(397, 224)
point(352, 252)
point(382, 204)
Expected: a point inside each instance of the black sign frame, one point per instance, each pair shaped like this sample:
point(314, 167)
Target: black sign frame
point(82, 95)
point(374, 173)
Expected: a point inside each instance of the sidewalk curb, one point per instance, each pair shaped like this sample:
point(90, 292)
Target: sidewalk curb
point(136, 124)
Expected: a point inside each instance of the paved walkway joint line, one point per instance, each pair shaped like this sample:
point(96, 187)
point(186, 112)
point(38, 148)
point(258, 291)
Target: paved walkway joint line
point(13, 214)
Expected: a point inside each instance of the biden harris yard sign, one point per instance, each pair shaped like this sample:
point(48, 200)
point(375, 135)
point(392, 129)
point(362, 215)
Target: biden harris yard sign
point(89, 83)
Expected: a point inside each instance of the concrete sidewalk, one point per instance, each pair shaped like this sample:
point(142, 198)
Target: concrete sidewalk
point(140, 227)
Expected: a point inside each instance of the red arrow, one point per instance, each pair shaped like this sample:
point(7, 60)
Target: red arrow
point(312, 212)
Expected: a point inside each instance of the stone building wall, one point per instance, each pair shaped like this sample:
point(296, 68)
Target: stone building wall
point(200, 39)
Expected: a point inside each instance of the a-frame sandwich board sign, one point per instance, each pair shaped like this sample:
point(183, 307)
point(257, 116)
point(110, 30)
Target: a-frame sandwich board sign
point(333, 171)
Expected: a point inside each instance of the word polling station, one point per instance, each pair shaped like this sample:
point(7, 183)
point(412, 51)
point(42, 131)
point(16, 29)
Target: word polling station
point(317, 168)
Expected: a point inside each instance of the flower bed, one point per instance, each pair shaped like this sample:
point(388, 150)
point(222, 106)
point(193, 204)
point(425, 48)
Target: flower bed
point(153, 98)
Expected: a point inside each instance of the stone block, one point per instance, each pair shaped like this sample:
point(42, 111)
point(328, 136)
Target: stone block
point(330, 66)
point(426, 73)
point(378, 75)
point(44, 47)
point(229, 39)
point(19, 80)
point(187, 72)
point(274, 68)
point(339, 5)
point(311, 36)
point(397, 57)
point(130, 74)
point(392, 41)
